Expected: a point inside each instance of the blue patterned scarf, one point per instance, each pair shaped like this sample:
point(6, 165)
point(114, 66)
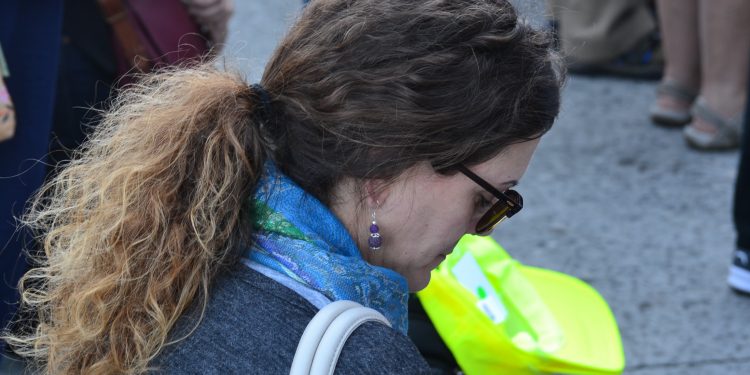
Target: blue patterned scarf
point(297, 235)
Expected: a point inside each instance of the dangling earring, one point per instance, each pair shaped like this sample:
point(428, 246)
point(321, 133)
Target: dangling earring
point(374, 241)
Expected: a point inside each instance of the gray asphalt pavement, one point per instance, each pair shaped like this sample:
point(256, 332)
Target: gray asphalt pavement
point(615, 201)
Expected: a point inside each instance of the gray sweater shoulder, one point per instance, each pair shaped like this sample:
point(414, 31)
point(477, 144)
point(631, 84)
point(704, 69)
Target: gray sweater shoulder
point(252, 325)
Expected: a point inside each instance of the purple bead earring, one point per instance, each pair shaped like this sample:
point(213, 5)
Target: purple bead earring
point(375, 241)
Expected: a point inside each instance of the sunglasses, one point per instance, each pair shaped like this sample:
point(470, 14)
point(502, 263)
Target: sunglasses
point(507, 205)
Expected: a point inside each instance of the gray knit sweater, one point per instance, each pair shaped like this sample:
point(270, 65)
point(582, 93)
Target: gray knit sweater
point(252, 325)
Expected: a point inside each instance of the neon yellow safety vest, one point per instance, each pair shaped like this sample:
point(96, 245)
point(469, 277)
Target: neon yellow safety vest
point(500, 317)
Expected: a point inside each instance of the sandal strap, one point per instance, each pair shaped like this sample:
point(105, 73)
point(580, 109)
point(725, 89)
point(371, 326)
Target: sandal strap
point(676, 91)
point(723, 125)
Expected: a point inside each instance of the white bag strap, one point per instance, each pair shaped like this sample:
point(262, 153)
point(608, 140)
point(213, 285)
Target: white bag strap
point(324, 337)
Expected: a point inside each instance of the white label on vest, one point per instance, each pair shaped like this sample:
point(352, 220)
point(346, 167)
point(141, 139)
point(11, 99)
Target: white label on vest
point(469, 274)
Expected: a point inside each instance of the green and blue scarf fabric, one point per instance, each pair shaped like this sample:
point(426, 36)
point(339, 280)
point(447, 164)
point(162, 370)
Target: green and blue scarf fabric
point(298, 236)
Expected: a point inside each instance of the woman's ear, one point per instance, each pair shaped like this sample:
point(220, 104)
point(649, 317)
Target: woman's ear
point(376, 193)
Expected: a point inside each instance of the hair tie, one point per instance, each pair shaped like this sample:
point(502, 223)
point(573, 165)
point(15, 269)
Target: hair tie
point(265, 101)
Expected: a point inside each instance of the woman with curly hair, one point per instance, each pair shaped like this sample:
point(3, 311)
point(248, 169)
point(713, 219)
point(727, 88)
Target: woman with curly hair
point(207, 220)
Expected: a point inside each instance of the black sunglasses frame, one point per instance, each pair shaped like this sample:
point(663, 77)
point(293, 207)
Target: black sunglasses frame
point(508, 205)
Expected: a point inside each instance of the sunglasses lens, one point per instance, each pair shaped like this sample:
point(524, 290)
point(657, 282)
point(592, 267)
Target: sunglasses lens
point(495, 214)
point(500, 211)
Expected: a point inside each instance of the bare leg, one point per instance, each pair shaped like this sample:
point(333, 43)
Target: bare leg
point(679, 29)
point(725, 55)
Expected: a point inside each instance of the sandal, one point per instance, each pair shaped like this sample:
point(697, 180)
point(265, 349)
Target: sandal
point(727, 135)
point(672, 117)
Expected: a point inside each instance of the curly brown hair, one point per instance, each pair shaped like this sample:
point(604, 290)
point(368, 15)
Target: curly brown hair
point(152, 208)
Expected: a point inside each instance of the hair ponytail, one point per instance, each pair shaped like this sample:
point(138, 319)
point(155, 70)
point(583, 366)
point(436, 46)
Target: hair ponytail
point(137, 225)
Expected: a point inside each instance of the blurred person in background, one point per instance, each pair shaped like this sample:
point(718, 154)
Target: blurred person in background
point(608, 37)
point(706, 46)
point(739, 271)
point(86, 75)
point(208, 220)
point(89, 68)
point(213, 17)
point(29, 37)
